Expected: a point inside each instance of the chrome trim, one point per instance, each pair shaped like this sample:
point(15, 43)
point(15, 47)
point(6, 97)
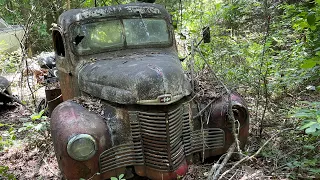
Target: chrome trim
point(77, 137)
point(157, 100)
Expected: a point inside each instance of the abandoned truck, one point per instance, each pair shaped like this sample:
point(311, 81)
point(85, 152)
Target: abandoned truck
point(125, 58)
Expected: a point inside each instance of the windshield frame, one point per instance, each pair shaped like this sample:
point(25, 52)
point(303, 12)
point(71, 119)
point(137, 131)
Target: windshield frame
point(125, 46)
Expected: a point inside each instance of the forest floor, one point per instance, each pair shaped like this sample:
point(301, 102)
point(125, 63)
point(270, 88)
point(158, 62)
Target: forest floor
point(28, 151)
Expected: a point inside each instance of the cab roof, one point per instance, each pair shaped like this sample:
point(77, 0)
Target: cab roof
point(118, 11)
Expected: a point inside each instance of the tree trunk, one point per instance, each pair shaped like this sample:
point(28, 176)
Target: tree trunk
point(68, 4)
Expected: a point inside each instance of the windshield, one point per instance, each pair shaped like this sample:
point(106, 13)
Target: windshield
point(99, 36)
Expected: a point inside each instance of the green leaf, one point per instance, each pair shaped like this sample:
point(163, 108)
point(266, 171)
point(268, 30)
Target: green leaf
point(313, 28)
point(300, 24)
point(303, 114)
point(39, 127)
point(315, 170)
point(121, 176)
point(307, 125)
point(28, 125)
point(37, 116)
point(307, 64)
point(13, 137)
point(22, 129)
point(113, 178)
point(313, 128)
point(24, 119)
point(3, 169)
point(311, 19)
point(309, 147)
point(11, 129)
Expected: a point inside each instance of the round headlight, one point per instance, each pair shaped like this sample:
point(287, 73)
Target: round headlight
point(81, 147)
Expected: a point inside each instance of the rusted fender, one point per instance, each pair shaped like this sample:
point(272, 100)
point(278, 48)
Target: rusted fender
point(219, 118)
point(68, 120)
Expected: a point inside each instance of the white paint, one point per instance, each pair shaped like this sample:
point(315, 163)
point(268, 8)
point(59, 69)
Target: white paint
point(98, 12)
point(114, 10)
point(143, 10)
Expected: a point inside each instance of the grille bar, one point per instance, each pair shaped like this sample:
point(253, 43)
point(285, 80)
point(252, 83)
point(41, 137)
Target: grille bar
point(122, 155)
point(165, 144)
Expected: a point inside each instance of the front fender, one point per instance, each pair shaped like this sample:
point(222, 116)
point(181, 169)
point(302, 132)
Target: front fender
point(219, 119)
point(69, 119)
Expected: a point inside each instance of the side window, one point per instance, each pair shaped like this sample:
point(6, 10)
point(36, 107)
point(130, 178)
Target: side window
point(58, 43)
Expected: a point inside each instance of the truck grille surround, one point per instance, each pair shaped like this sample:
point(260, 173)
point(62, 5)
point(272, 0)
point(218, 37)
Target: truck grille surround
point(160, 141)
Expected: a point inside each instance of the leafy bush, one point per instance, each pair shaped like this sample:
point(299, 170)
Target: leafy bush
point(9, 63)
point(119, 178)
point(4, 173)
point(307, 157)
point(7, 138)
point(310, 116)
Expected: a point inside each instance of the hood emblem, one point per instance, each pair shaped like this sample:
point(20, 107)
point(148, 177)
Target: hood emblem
point(165, 98)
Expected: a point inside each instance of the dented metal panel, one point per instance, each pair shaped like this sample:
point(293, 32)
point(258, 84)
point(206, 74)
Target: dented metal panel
point(69, 119)
point(135, 79)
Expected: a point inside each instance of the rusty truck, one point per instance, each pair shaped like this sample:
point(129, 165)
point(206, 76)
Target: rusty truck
point(122, 61)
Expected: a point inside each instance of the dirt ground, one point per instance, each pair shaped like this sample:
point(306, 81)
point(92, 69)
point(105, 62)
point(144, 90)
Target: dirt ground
point(28, 154)
point(25, 159)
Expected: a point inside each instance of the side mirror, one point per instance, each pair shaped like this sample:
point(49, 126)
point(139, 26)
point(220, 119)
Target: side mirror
point(206, 34)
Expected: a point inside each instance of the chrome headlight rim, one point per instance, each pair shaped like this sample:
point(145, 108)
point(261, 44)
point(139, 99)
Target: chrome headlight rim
point(76, 138)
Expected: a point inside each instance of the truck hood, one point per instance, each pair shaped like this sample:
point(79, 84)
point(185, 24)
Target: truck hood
point(148, 79)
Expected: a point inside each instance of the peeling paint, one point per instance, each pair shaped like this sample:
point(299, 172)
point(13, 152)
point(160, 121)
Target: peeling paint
point(156, 69)
point(143, 10)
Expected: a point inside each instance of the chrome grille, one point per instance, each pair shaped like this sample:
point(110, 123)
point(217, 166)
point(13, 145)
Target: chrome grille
point(120, 156)
point(126, 154)
point(186, 132)
point(197, 140)
point(161, 139)
point(211, 138)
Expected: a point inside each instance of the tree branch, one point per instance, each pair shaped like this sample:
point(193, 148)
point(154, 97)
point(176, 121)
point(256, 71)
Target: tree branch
point(254, 155)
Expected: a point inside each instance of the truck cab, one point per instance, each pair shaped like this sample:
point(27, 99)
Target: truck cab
point(127, 104)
